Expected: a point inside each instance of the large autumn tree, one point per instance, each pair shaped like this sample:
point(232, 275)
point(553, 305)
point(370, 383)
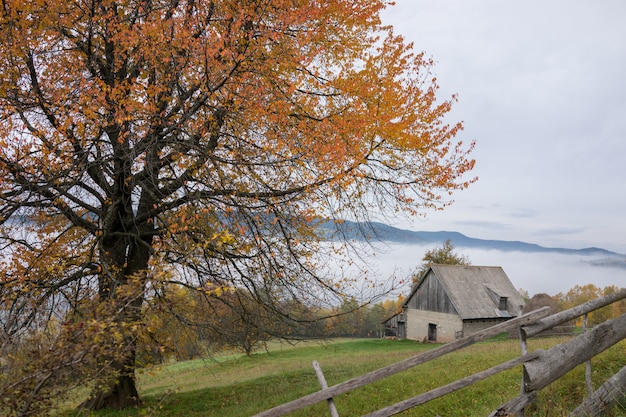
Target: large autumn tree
point(146, 143)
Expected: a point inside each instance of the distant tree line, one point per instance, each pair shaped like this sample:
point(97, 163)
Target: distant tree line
point(580, 294)
point(247, 327)
point(168, 336)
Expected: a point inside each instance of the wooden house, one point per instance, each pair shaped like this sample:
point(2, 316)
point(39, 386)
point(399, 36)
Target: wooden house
point(453, 301)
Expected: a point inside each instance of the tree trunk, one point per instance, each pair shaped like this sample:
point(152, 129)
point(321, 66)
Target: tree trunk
point(122, 395)
point(117, 360)
point(121, 391)
point(128, 260)
point(118, 390)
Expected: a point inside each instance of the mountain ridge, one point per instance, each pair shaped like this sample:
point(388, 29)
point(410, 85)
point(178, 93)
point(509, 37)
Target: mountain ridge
point(383, 232)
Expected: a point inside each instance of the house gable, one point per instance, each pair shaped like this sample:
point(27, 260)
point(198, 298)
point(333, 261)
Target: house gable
point(431, 295)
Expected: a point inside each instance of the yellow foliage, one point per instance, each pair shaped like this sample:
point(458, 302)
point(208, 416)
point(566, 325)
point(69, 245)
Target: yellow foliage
point(209, 136)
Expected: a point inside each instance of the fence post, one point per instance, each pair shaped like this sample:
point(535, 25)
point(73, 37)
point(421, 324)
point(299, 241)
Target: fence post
point(612, 392)
point(524, 349)
point(588, 363)
point(322, 380)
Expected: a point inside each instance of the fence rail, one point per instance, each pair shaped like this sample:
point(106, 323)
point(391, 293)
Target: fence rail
point(540, 367)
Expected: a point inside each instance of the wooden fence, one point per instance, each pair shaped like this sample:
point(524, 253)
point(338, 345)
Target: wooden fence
point(540, 367)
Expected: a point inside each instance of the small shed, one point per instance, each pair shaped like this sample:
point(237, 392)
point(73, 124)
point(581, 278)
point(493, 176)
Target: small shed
point(453, 301)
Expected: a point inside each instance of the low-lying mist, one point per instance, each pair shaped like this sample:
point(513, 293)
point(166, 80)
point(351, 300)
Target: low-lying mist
point(535, 272)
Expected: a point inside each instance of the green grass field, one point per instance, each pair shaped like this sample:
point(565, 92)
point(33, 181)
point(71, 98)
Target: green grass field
point(238, 386)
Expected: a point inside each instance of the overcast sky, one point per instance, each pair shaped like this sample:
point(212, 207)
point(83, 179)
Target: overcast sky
point(542, 89)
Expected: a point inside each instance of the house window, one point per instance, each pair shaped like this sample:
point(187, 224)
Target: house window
point(503, 303)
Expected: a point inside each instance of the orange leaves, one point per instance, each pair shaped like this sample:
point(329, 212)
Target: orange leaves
point(211, 135)
point(228, 104)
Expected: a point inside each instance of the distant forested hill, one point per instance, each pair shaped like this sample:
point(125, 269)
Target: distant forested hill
point(383, 232)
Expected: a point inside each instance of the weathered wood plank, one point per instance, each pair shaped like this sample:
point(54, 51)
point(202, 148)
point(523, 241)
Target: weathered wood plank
point(516, 405)
point(447, 389)
point(322, 380)
point(572, 313)
point(612, 392)
point(557, 361)
point(424, 357)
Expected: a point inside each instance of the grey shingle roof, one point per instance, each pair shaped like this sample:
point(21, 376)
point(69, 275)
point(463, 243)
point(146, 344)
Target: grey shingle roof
point(476, 292)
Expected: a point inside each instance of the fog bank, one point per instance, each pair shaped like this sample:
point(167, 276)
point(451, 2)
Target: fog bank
point(534, 272)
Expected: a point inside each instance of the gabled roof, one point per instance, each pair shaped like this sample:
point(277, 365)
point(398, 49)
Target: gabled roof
point(476, 292)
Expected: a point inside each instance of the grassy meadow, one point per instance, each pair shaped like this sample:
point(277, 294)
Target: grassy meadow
point(241, 386)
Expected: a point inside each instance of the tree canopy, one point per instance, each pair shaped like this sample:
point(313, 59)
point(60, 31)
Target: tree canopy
point(146, 144)
point(444, 255)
